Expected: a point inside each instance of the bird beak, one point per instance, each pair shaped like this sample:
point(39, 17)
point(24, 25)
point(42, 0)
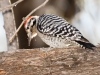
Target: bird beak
point(30, 36)
point(29, 39)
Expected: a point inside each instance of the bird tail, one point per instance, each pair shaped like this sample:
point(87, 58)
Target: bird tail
point(86, 45)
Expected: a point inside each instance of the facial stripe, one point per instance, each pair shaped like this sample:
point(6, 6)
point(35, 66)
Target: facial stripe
point(27, 20)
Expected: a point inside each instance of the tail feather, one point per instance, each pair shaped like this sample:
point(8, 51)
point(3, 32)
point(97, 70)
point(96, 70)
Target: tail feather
point(86, 45)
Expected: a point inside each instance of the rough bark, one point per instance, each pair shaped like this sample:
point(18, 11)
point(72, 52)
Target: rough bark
point(9, 25)
point(46, 61)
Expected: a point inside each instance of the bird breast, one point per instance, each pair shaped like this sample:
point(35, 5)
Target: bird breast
point(55, 42)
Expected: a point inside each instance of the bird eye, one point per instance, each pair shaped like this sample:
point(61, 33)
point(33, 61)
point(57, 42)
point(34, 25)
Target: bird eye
point(27, 27)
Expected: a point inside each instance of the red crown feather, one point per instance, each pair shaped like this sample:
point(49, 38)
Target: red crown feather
point(27, 20)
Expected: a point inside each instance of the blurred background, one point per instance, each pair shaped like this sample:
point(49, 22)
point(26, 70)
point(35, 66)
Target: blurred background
point(3, 39)
point(83, 14)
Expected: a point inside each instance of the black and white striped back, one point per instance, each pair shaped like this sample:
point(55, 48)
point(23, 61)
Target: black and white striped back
point(55, 26)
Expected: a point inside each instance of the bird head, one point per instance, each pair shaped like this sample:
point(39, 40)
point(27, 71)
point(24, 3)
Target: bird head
point(29, 23)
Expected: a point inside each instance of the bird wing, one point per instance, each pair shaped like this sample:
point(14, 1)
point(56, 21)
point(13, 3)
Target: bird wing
point(56, 26)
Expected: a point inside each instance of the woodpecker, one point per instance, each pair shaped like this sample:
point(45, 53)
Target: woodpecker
point(55, 31)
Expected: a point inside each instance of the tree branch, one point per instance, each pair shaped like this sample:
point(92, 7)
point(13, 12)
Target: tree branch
point(43, 4)
point(11, 6)
point(51, 61)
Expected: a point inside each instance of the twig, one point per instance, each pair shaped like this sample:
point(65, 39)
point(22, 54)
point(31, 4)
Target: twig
point(12, 5)
point(43, 4)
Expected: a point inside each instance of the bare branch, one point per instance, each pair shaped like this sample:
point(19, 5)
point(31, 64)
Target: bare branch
point(43, 4)
point(37, 8)
point(11, 6)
